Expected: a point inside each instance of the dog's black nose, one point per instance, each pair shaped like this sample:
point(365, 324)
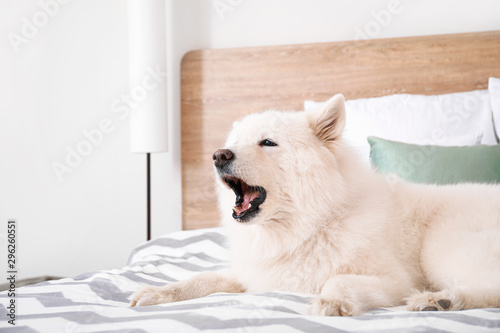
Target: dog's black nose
point(222, 157)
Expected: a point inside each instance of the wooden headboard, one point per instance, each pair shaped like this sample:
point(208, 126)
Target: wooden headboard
point(220, 86)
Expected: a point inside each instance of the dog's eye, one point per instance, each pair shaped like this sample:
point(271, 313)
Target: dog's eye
point(267, 142)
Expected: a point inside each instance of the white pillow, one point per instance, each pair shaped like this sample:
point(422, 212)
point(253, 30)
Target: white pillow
point(494, 89)
point(458, 119)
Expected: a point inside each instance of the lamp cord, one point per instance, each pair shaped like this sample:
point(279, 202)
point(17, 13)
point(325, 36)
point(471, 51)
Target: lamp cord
point(148, 181)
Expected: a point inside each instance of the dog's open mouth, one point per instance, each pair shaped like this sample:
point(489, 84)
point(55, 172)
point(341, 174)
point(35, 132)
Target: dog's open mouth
point(248, 198)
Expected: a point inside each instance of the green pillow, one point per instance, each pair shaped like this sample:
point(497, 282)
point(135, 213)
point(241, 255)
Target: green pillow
point(436, 164)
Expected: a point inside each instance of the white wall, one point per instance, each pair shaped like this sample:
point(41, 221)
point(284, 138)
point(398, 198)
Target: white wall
point(59, 84)
point(197, 24)
point(270, 22)
point(64, 80)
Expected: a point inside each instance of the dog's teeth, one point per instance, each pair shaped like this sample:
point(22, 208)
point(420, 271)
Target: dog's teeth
point(249, 206)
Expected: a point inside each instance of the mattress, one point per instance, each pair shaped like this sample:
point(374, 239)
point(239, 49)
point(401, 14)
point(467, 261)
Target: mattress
point(99, 301)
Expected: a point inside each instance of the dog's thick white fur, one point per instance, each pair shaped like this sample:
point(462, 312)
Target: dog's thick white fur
point(332, 227)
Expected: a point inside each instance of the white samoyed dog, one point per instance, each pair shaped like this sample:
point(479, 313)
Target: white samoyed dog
point(309, 217)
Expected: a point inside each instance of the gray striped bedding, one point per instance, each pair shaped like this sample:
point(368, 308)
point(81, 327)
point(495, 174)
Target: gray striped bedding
point(98, 301)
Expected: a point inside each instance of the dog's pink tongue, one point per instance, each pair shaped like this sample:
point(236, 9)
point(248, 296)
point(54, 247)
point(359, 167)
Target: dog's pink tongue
point(247, 198)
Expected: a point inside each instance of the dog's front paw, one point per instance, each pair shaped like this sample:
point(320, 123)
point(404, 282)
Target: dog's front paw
point(433, 301)
point(151, 295)
point(332, 307)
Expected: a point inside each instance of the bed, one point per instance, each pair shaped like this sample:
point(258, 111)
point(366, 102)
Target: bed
point(218, 87)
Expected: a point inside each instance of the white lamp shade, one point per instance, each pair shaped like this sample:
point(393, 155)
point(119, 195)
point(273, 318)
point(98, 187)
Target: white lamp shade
point(147, 68)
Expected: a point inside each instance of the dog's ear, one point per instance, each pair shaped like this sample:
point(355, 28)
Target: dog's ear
point(329, 121)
